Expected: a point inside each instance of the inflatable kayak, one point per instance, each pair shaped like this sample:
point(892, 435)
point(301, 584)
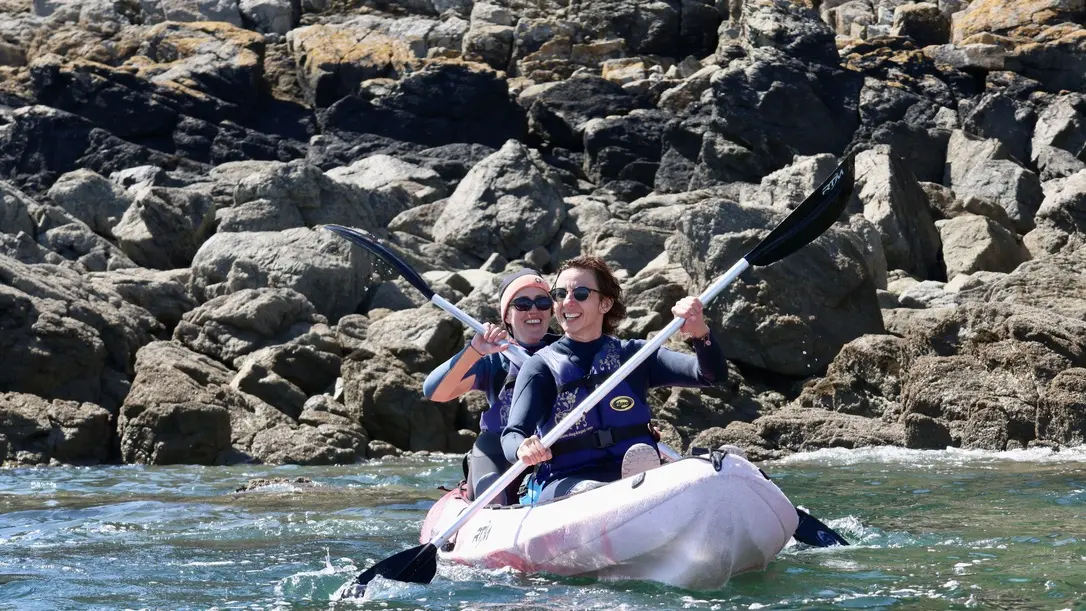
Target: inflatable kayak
point(692, 523)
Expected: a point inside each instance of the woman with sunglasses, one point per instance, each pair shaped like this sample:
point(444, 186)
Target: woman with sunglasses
point(614, 439)
point(526, 315)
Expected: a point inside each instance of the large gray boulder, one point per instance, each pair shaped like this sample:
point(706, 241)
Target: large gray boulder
point(65, 337)
point(626, 245)
point(177, 410)
point(332, 273)
point(183, 408)
point(505, 204)
point(976, 243)
point(394, 185)
point(38, 431)
point(389, 398)
point(229, 327)
point(980, 375)
point(894, 201)
point(787, 187)
point(1061, 219)
point(1059, 138)
point(15, 210)
point(164, 294)
point(423, 337)
point(295, 194)
point(164, 227)
point(984, 369)
point(91, 198)
point(1055, 283)
point(984, 168)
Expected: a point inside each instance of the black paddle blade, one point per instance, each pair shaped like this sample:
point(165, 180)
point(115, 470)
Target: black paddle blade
point(810, 219)
point(415, 565)
point(813, 532)
point(369, 241)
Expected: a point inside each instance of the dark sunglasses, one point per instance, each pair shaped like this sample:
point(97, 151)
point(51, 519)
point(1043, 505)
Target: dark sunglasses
point(542, 303)
point(580, 293)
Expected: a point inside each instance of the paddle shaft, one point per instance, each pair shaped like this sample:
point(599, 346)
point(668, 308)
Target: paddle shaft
point(589, 402)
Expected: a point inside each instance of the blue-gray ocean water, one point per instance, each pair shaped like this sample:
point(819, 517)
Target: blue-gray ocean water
point(932, 530)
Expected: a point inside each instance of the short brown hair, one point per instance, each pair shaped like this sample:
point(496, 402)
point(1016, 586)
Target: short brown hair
point(608, 287)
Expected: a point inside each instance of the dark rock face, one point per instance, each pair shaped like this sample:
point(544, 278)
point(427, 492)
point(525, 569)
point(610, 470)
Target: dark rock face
point(41, 143)
point(770, 106)
point(437, 106)
point(557, 116)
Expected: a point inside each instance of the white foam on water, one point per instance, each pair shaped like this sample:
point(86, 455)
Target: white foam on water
point(950, 456)
point(316, 584)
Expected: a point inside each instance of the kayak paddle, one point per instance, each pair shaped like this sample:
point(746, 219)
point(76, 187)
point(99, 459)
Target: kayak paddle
point(808, 221)
point(813, 532)
point(369, 241)
point(810, 530)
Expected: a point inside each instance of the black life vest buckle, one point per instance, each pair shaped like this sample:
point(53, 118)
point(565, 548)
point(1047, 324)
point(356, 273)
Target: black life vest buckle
point(604, 438)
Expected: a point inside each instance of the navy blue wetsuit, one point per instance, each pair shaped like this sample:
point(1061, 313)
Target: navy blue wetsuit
point(536, 391)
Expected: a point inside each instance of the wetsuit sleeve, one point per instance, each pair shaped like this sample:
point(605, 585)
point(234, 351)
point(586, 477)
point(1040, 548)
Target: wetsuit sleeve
point(533, 399)
point(438, 374)
point(707, 368)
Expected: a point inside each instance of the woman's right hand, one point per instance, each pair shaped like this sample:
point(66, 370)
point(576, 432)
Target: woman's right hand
point(487, 342)
point(532, 451)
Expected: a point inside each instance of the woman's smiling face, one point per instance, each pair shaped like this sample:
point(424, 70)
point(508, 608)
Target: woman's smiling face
point(581, 320)
point(528, 327)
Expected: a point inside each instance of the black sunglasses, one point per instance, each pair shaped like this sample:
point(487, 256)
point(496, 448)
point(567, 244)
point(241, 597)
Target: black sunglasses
point(542, 303)
point(580, 293)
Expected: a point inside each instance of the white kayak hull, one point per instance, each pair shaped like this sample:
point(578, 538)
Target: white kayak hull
point(683, 524)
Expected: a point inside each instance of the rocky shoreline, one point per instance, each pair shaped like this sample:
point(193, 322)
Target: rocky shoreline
point(167, 295)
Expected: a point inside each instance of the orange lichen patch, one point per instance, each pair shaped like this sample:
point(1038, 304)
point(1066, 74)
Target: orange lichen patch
point(171, 42)
point(98, 73)
point(77, 42)
point(591, 54)
point(14, 7)
point(324, 48)
point(1016, 18)
point(460, 61)
point(987, 38)
point(15, 80)
point(907, 61)
point(1065, 33)
point(1056, 57)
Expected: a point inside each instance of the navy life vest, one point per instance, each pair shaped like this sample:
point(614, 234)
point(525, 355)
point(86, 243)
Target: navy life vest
point(495, 417)
point(501, 397)
point(601, 436)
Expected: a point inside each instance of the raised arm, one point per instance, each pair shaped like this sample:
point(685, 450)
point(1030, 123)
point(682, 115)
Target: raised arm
point(708, 366)
point(456, 376)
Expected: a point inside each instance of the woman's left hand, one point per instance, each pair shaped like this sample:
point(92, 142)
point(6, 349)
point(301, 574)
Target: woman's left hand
point(690, 309)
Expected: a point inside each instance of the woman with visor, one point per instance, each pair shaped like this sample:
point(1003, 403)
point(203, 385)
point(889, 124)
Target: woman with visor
point(613, 440)
point(525, 308)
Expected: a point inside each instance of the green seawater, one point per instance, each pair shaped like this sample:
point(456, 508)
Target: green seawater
point(931, 530)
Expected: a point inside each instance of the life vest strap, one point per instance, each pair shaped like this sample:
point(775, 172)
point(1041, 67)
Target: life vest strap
point(601, 438)
point(589, 382)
